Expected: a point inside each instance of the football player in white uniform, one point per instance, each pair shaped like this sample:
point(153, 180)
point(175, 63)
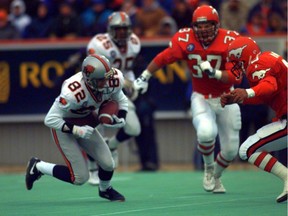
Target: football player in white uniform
point(121, 46)
point(72, 122)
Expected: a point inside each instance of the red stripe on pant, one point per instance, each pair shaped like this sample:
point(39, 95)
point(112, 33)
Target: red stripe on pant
point(67, 162)
point(266, 140)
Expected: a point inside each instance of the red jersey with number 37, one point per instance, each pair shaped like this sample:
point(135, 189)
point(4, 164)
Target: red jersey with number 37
point(184, 46)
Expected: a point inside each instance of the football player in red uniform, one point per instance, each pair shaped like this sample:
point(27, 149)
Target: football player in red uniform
point(203, 47)
point(267, 76)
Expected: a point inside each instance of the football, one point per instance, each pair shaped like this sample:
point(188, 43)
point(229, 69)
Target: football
point(106, 110)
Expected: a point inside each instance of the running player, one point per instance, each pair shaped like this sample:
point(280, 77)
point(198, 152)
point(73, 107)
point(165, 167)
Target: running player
point(203, 47)
point(72, 122)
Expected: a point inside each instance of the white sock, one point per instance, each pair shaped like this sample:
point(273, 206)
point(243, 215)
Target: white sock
point(280, 170)
point(104, 185)
point(218, 170)
point(45, 168)
point(207, 152)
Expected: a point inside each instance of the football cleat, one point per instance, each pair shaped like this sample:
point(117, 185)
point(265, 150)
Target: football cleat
point(209, 180)
point(219, 188)
point(93, 177)
point(32, 173)
point(283, 196)
point(111, 195)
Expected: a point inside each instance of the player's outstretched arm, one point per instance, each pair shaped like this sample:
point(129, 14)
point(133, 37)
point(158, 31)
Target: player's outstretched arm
point(141, 83)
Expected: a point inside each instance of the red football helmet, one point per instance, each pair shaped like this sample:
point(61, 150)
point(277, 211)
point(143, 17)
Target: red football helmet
point(241, 52)
point(205, 23)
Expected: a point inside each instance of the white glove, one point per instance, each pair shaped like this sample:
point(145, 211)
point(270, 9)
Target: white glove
point(141, 83)
point(117, 122)
point(206, 68)
point(84, 132)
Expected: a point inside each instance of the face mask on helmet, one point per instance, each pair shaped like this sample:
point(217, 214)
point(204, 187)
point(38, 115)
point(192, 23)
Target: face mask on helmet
point(98, 74)
point(240, 53)
point(238, 69)
point(205, 23)
point(119, 27)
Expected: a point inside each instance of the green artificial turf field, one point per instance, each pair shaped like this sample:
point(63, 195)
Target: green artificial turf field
point(175, 193)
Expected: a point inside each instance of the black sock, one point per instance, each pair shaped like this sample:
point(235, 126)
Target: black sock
point(62, 173)
point(105, 175)
point(122, 136)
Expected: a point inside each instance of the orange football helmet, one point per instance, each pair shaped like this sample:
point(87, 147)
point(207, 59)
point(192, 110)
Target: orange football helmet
point(205, 23)
point(241, 52)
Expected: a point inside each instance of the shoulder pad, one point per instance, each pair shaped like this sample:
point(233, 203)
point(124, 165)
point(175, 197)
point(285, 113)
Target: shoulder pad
point(97, 46)
point(135, 43)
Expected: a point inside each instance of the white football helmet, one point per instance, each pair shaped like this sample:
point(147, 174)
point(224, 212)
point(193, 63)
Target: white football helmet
point(119, 27)
point(98, 74)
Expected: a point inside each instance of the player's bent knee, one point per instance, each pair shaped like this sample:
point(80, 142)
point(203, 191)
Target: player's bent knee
point(109, 168)
point(108, 165)
point(206, 137)
point(243, 151)
point(206, 133)
point(133, 131)
point(80, 180)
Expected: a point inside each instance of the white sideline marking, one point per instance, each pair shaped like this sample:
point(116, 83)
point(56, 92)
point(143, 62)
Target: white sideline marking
point(175, 206)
